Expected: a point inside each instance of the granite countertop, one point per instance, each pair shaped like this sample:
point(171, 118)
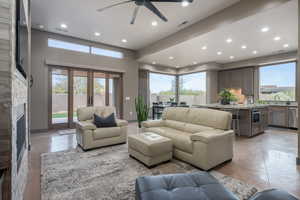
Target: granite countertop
point(237, 106)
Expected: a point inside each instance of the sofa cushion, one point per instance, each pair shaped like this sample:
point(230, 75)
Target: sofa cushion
point(192, 186)
point(194, 128)
point(101, 133)
point(108, 121)
point(175, 113)
point(209, 117)
point(181, 140)
point(85, 113)
point(175, 124)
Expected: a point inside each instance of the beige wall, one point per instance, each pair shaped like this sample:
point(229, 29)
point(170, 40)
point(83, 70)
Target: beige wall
point(41, 53)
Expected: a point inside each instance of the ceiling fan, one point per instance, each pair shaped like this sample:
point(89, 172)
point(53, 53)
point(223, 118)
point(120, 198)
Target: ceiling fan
point(148, 4)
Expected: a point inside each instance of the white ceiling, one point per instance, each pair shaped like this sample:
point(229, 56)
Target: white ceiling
point(282, 21)
point(83, 20)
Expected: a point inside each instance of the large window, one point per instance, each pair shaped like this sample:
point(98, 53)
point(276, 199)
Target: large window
point(105, 52)
point(192, 88)
point(162, 87)
point(68, 46)
point(278, 82)
point(84, 48)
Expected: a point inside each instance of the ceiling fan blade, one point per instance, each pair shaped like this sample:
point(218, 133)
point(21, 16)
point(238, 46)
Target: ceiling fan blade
point(113, 5)
point(151, 7)
point(190, 1)
point(135, 12)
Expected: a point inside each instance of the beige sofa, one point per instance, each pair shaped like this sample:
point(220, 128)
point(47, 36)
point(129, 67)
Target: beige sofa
point(201, 137)
point(89, 136)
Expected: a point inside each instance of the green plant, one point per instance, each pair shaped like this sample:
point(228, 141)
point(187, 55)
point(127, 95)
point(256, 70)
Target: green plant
point(142, 110)
point(226, 96)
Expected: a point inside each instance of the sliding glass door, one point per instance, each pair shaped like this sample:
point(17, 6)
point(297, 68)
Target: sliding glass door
point(71, 89)
point(80, 91)
point(59, 97)
point(99, 89)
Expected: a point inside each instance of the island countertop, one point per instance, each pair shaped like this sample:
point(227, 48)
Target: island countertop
point(237, 106)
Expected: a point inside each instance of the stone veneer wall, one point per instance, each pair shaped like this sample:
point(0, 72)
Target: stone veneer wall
point(13, 92)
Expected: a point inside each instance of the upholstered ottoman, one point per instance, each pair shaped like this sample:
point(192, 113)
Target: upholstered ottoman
point(193, 186)
point(150, 148)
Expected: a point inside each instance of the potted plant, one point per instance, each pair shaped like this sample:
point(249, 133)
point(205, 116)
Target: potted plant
point(142, 110)
point(226, 97)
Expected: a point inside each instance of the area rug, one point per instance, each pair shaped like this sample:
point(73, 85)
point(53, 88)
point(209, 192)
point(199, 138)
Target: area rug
point(109, 174)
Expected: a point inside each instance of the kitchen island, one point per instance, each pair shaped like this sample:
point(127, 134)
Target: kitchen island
point(248, 119)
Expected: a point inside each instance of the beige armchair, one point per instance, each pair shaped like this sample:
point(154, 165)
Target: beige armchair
point(89, 136)
point(201, 137)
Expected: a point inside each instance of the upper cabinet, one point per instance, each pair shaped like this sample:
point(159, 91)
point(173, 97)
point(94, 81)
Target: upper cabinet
point(238, 78)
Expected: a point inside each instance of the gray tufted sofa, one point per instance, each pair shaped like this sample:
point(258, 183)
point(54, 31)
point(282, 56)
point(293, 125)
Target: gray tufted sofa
point(194, 186)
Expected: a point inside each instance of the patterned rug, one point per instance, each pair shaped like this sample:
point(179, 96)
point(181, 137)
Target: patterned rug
point(109, 174)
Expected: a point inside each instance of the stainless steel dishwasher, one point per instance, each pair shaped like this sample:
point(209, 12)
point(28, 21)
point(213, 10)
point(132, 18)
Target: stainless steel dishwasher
point(293, 117)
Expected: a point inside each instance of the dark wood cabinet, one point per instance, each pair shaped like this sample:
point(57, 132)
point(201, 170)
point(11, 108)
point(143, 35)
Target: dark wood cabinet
point(238, 78)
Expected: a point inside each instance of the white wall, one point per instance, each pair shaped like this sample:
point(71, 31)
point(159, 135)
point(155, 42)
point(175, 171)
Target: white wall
point(41, 52)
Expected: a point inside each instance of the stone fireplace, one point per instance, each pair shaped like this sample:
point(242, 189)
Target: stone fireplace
point(21, 132)
point(14, 126)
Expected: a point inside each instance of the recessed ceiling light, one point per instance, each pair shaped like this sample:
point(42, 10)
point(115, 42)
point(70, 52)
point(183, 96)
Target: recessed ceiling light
point(41, 26)
point(265, 29)
point(124, 40)
point(204, 47)
point(63, 25)
point(171, 57)
point(154, 23)
point(219, 52)
point(244, 47)
point(229, 40)
point(185, 3)
point(177, 66)
point(231, 57)
point(286, 45)
point(195, 63)
point(277, 38)
point(153, 62)
point(97, 34)
point(254, 52)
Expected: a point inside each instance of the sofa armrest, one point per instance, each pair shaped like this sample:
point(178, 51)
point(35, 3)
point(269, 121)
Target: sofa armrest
point(152, 123)
point(85, 125)
point(211, 135)
point(121, 122)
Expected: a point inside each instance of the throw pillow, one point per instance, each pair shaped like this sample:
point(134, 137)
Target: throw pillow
point(108, 121)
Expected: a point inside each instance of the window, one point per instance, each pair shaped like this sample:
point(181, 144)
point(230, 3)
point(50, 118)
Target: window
point(192, 88)
point(277, 82)
point(68, 46)
point(162, 87)
point(108, 53)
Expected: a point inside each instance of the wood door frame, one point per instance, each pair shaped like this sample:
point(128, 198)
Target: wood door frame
point(90, 93)
point(50, 124)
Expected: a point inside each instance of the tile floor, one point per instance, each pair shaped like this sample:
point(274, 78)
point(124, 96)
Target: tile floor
point(267, 160)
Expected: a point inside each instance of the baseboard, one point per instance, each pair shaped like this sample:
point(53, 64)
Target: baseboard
point(298, 161)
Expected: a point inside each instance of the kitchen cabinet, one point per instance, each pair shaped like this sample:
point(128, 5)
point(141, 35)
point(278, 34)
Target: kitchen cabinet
point(278, 116)
point(238, 78)
point(293, 117)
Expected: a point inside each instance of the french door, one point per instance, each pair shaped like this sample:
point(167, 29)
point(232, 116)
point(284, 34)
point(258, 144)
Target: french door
point(70, 89)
